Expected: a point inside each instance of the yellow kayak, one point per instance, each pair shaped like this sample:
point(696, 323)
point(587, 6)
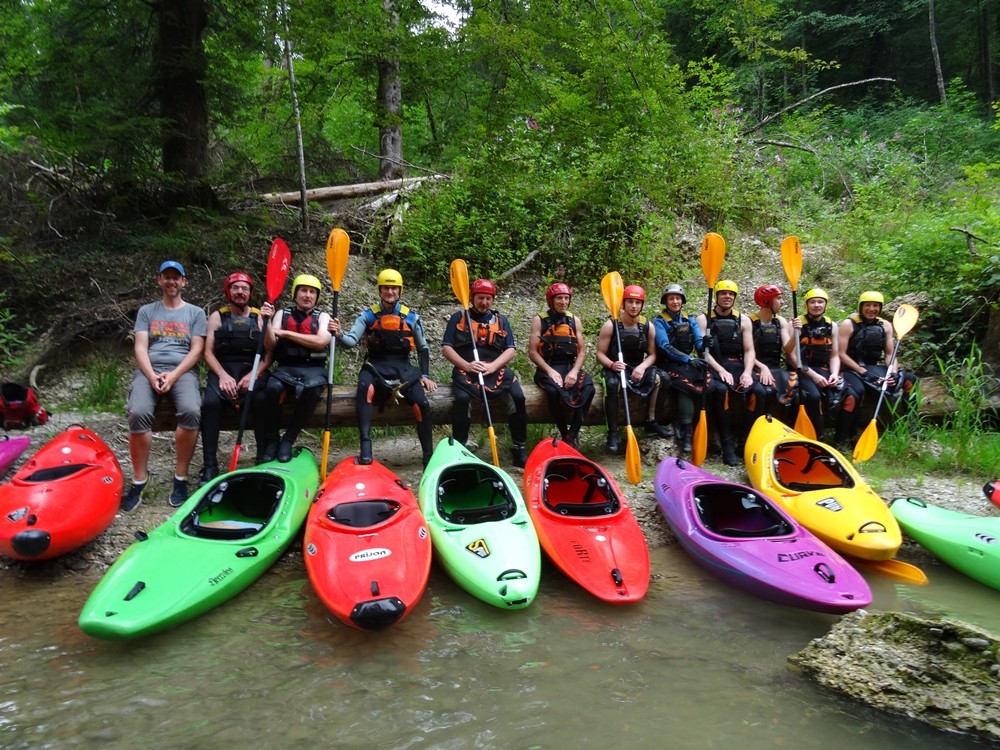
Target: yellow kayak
point(821, 490)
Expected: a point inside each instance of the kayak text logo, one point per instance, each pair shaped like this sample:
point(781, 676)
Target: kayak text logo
point(479, 548)
point(830, 503)
point(221, 577)
point(375, 553)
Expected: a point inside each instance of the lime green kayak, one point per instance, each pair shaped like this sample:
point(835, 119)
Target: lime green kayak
point(480, 527)
point(219, 542)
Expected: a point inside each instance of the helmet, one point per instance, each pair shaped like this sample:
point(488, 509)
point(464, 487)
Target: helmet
point(673, 289)
point(484, 286)
point(726, 286)
point(557, 288)
point(633, 291)
point(390, 277)
point(232, 279)
point(764, 295)
point(305, 279)
point(871, 297)
point(817, 292)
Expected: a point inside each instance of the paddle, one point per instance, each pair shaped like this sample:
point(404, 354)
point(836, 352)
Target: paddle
point(713, 253)
point(279, 261)
point(902, 323)
point(460, 285)
point(613, 290)
point(895, 569)
point(791, 261)
point(338, 249)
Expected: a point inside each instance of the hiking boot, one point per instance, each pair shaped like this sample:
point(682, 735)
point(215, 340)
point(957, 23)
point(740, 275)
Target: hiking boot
point(179, 494)
point(365, 454)
point(612, 445)
point(573, 439)
point(208, 473)
point(269, 453)
point(132, 500)
point(686, 432)
point(729, 454)
point(654, 428)
point(284, 452)
point(517, 456)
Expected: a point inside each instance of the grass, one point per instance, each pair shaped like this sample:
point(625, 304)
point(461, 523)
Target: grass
point(105, 387)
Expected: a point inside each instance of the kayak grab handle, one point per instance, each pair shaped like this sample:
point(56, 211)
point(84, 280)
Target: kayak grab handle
point(825, 572)
point(511, 574)
point(139, 586)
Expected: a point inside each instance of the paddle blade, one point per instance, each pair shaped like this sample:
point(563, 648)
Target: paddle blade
point(235, 460)
point(904, 320)
point(279, 263)
point(868, 442)
point(699, 445)
point(460, 281)
point(493, 445)
point(613, 290)
point(791, 260)
point(326, 455)
point(338, 250)
point(895, 569)
point(633, 461)
point(713, 254)
point(804, 425)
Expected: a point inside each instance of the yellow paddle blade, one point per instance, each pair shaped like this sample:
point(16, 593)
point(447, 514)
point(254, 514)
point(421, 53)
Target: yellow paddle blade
point(699, 445)
point(868, 442)
point(633, 461)
point(895, 569)
point(791, 260)
point(713, 254)
point(804, 425)
point(493, 445)
point(326, 455)
point(460, 281)
point(904, 320)
point(338, 250)
point(613, 289)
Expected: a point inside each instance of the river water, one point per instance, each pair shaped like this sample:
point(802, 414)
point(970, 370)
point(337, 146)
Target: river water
point(697, 664)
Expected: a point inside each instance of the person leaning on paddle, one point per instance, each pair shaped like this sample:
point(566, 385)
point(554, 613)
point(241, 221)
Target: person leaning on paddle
point(819, 343)
point(558, 349)
point(866, 338)
point(391, 331)
point(494, 342)
point(234, 330)
point(638, 349)
point(298, 340)
point(771, 333)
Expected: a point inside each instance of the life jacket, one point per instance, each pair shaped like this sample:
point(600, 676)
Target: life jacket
point(867, 343)
point(558, 340)
point(237, 336)
point(766, 340)
point(288, 353)
point(680, 333)
point(727, 336)
point(491, 336)
point(19, 407)
point(390, 333)
point(635, 342)
point(816, 341)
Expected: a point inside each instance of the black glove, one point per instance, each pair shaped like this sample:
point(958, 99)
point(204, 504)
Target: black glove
point(706, 342)
point(699, 365)
point(872, 378)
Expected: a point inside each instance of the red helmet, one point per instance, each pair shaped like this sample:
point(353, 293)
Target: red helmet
point(232, 279)
point(557, 288)
point(763, 296)
point(632, 291)
point(484, 286)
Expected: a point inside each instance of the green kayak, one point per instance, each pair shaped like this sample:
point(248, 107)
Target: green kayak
point(970, 544)
point(216, 544)
point(480, 527)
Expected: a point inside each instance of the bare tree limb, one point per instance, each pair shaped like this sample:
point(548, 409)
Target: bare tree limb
point(783, 144)
point(519, 266)
point(970, 239)
point(799, 103)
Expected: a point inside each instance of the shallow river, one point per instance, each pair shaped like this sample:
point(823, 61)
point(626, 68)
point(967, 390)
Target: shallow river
point(696, 665)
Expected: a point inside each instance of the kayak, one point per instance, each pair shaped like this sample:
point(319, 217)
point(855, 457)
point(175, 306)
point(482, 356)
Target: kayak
point(10, 450)
point(367, 548)
point(217, 543)
point(585, 524)
point(820, 489)
point(480, 527)
point(60, 498)
point(748, 541)
point(969, 544)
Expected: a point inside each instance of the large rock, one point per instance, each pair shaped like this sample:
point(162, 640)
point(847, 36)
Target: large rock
point(944, 673)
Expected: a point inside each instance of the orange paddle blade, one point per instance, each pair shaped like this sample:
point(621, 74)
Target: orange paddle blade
point(713, 255)
point(804, 425)
point(791, 260)
point(633, 460)
point(699, 445)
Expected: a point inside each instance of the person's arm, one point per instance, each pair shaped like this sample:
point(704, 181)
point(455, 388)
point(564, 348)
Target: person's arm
point(604, 346)
point(227, 383)
point(835, 356)
point(749, 357)
point(721, 372)
point(848, 363)
point(141, 352)
point(423, 356)
point(890, 344)
point(354, 335)
point(581, 354)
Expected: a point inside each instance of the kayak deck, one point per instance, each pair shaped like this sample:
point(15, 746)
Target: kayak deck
point(239, 508)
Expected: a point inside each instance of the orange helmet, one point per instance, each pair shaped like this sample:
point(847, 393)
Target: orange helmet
point(557, 288)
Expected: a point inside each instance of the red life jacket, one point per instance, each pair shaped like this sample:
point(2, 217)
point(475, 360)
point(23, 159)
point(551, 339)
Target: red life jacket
point(19, 407)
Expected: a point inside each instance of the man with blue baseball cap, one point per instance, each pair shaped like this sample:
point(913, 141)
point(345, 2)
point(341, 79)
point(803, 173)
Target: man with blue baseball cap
point(169, 340)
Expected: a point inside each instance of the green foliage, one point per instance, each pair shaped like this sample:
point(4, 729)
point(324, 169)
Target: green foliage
point(104, 389)
point(14, 338)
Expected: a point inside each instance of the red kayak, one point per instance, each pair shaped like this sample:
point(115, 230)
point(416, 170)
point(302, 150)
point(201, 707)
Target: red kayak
point(584, 523)
point(367, 548)
point(61, 498)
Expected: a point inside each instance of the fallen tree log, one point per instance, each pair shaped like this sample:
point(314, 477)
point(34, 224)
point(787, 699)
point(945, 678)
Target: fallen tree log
point(338, 192)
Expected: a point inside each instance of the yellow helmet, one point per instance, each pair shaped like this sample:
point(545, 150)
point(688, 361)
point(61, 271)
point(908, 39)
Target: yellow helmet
point(727, 286)
point(306, 279)
point(817, 292)
point(870, 296)
point(390, 277)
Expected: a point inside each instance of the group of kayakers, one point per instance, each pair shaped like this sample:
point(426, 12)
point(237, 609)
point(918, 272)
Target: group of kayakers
point(713, 361)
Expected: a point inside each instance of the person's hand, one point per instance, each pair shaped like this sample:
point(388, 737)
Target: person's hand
point(766, 378)
point(698, 364)
point(267, 310)
point(429, 385)
point(229, 386)
point(333, 327)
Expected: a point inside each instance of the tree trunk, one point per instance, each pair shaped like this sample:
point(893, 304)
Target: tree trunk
point(182, 68)
point(934, 52)
point(988, 85)
point(299, 147)
point(389, 103)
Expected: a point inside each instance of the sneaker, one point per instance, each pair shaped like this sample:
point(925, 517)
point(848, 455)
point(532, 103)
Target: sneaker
point(132, 500)
point(179, 493)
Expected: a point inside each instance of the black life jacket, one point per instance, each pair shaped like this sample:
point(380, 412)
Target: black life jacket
point(288, 353)
point(558, 340)
point(867, 343)
point(766, 340)
point(491, 336)
point(236, 337)
point(727, 337)
point(816, 341)
point(679, 332)
point(635, 342)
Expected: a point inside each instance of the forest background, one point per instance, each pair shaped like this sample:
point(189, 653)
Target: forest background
point(561, 139)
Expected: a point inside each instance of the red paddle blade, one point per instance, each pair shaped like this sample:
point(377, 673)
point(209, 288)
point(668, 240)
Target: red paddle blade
point(279, 263)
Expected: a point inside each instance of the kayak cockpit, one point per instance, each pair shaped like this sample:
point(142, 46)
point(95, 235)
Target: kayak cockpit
point(473, 494)
point(55, 473)
point(806, 466)
point(363, 513)
point(571, 487)
point(237, 507)
point(734, 511)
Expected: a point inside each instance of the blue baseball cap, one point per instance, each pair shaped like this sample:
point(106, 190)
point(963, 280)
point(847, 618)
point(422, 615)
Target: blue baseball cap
point(174, 265)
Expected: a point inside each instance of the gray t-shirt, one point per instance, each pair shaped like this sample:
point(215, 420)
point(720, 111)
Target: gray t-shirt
point(170, 331)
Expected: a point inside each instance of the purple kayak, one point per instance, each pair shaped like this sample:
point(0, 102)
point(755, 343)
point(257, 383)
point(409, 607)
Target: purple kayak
point(10, 449)
point(748, 541)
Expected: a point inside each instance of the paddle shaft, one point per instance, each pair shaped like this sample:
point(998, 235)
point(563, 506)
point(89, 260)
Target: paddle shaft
point(618, 340)
point(245, 406)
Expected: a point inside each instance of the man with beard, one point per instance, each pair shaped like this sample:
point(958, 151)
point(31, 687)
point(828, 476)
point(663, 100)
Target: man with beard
point(494, 343)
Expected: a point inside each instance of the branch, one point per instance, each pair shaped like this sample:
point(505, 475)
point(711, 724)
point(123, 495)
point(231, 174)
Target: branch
point(519, 266)
point(799, 103)
point(784, 144)
point(970, 239)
